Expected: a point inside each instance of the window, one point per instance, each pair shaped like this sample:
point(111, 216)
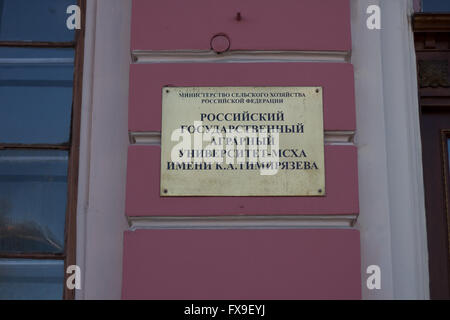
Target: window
point(436, 6)
point(40, 101)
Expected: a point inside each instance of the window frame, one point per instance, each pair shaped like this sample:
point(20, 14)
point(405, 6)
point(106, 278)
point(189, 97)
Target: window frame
point(445, 140)
point(73, 147)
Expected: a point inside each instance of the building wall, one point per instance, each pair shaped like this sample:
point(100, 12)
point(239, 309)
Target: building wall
point(391, 214)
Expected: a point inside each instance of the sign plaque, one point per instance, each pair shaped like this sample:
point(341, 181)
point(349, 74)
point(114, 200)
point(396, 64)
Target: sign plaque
point(242, 141)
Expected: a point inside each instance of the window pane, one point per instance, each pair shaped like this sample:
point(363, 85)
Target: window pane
point(436, 6)
point(31, 279)
point(33, 192)
point(35, 20)
point(35, 95)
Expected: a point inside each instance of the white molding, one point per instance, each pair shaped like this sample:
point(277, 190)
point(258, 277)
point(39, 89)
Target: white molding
point(392, 214)
point(373, 221)
point(404, 151)
point(243, 222)
point(154, 138)
point(145, 138)
point(101, 221)
point(209, 56)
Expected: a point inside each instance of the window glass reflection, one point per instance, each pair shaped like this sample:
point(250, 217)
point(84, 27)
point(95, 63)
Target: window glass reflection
point(23, 279)
point(36, 95)
point(35, 20)
point(436, 6)
point(33, 195)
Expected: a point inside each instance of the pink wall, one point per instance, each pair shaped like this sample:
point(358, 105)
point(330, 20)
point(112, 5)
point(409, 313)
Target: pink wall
point(147, 80)
point(264, 24)
point(242, 264)
point(143, 191)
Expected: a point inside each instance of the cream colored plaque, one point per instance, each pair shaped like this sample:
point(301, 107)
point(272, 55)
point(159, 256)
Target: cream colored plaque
point(242, 141)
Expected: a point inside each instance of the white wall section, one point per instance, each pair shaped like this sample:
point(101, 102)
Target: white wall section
point(103, 151)
point(392, 212)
